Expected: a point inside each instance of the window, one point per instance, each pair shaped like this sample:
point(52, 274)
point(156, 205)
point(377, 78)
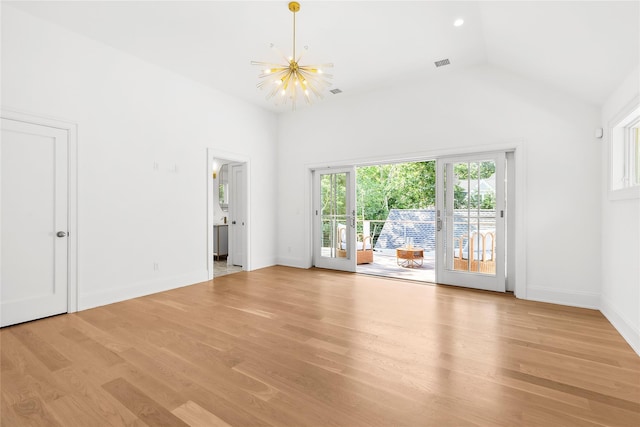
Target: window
point(636, 153)
point(625, 156)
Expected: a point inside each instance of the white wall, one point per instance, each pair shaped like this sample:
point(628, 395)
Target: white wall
point(130, 115)
point(465, 110)
point(620, 299)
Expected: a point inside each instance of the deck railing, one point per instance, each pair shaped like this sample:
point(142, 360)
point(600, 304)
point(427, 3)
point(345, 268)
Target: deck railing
point(423, 232)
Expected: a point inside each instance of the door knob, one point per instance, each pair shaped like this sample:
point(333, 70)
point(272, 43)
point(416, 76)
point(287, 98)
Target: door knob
point(233, 222)
point(61, 234)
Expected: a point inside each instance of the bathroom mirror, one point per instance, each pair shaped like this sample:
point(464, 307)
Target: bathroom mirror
point(223, 187)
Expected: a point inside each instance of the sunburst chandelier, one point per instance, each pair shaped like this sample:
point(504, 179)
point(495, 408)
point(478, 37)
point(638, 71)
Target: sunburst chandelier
point(292, 81)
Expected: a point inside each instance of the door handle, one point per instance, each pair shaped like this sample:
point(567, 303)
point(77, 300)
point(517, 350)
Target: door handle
point(61, 234)
point(233, 222)
point(439, 224)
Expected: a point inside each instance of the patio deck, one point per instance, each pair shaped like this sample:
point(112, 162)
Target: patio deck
point(386, 265)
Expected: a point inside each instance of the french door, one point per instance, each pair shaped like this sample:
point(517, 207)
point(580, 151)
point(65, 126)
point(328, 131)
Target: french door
point(470, 217)
point(334, 219)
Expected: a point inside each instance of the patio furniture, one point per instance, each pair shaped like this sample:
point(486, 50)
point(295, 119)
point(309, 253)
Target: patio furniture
point(481, 248)
point(364, 249)
point(410, 257)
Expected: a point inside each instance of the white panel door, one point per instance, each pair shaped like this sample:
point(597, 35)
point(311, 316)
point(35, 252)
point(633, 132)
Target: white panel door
point(34, 221)
point(334, 219)
point(238, 215)
point(471, 218)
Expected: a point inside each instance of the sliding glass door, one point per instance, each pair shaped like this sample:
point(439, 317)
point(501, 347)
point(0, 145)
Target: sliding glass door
point(470, 221)
point(334, 219)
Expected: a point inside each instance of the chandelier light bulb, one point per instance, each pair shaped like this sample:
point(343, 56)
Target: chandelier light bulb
point(291, 75)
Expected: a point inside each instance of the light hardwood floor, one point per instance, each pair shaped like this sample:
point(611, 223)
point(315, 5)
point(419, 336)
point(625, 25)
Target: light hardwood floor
point(290, 347)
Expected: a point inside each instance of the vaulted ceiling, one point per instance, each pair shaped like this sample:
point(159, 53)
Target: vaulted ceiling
point(584, 48)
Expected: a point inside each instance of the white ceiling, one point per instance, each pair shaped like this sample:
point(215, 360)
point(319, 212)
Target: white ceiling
point(585, 48)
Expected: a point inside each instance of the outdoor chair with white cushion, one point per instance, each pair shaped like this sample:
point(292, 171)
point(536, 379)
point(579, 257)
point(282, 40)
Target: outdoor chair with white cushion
point(364, 249)
point(482, 247)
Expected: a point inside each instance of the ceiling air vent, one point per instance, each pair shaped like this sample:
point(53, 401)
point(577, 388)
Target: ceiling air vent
point(442, 63)
point(335, 91)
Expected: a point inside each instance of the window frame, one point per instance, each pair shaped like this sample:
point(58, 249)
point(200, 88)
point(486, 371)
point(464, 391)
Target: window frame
point(624, 155)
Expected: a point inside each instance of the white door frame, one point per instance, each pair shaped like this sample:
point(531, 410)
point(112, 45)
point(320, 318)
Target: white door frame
point(347, 263)
point(518, 211)
point(445, 274)
point(213, 153)
point(72, 201)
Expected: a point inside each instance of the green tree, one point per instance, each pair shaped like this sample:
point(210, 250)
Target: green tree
point(400, 186)
point(473, 172)
point(333, 189)
point(380, 188)
point(482, 170)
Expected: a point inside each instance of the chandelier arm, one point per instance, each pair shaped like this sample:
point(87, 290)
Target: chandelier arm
point(274, 83)
point(311, 85)
point(267, 64)
point(318, 79)
point(300, 57)
point(320, 66)
point(279, 52)
point(273, 92)
point(285, 81)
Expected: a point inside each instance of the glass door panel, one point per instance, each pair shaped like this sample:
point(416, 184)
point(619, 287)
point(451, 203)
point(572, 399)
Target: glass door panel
point(471, 222)
point(334, 217)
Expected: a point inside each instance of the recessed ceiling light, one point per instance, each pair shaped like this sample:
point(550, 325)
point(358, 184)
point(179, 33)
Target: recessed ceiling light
point(458, 22)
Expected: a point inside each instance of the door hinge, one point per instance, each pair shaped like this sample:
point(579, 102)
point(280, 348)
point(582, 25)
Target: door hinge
point(501, 214)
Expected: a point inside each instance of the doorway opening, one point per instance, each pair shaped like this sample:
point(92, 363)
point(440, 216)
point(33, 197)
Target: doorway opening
point(437, 221)
point(401, 212)
point(396, 220)
point(228, 205)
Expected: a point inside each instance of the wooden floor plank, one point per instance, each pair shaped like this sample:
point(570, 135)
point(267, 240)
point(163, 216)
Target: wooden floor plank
point(289, 347)
point(196, 416)
point(39, 348)
point(142, 405)
point(87, 392)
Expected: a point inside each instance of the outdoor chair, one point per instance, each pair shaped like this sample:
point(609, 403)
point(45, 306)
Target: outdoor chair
point(476, 254)
point(364, 249)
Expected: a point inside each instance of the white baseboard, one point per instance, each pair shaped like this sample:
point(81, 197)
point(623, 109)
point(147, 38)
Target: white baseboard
point(293, 262)
point(140, 289)
point(628, 331)
point(570, 298)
